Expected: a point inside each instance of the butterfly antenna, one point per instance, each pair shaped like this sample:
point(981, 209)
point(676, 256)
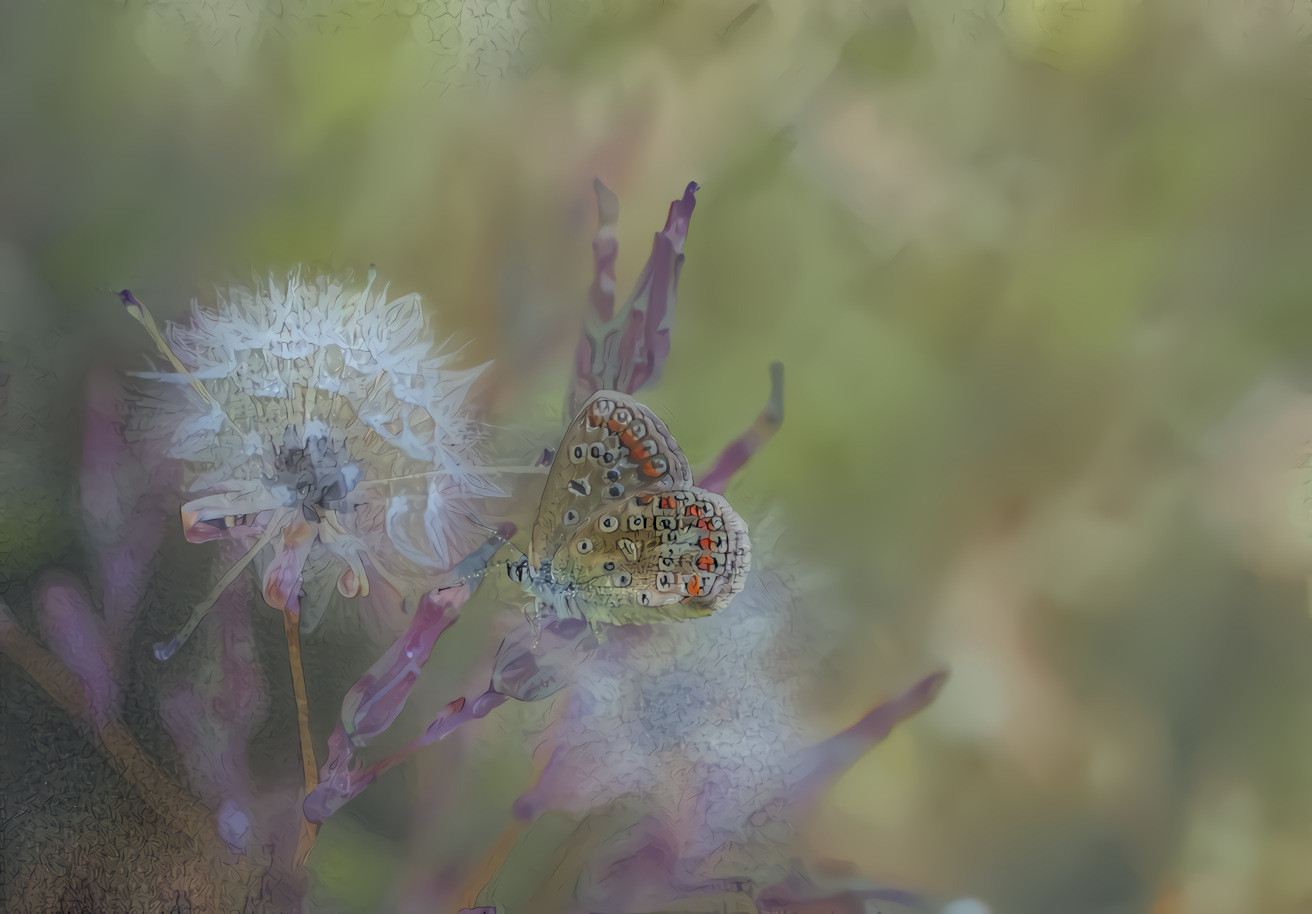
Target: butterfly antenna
point(499, 532)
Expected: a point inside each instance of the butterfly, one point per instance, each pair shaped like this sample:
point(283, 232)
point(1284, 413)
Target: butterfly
point(622, 535)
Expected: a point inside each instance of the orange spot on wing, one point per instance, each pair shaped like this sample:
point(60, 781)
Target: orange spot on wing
point(667, 502)
point(706, 562)
point(614, 425)
point(649, 469)
point(704, 542)
point(694, 585)
point(704, 523)
point(644, 499)
point(693, 511)
point(631, 441)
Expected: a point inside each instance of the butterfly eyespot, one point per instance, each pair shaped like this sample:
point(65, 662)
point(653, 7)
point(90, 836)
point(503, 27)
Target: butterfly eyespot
point(604, 407)
point(608, 457)
point(612, 475)
point(616, 490)
point(571, 516)
point(609, 524)
point(650, 446)
point(608, 566)
point(583, 546)
point(655, 466)
point(638, 429)
point(623, 579)
point(623, 415)
point(636, 521)
point(595, 451)
point(578, 453)
point(644, 597)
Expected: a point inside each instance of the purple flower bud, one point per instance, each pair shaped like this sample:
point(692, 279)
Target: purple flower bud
point(343, 776)
point(373, 703)
point(233, 826)
point(76, 634)
point(626, 350)
point(798, 895)
point(210, 719)
point(125, 521)
point(379, 695)
point(643, 868)
point(827, 760)
point(534, 663)
point(749, 442)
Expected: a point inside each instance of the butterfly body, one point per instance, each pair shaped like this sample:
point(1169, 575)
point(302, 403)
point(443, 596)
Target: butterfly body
point(559, 597)
point(623, 536)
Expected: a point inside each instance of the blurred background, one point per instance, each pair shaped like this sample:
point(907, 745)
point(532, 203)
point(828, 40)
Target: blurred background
point(1039, 274)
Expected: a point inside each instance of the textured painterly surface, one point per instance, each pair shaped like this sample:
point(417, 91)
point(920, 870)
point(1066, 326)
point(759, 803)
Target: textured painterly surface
point(1038, 272)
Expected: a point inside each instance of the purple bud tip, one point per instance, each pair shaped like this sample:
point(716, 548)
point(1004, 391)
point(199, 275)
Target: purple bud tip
point(774, 407)
point(166, 649)
point(128, 299)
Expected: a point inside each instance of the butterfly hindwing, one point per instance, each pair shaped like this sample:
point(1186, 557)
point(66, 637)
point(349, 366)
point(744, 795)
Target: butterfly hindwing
point(614, 449)
point(655, 556)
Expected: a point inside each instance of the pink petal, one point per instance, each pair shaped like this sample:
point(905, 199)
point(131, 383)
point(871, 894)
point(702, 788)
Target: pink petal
point(282, 579)
point(202, 517)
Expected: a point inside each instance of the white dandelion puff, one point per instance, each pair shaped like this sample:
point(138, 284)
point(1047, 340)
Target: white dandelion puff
point(319, 427)
point(704, 715)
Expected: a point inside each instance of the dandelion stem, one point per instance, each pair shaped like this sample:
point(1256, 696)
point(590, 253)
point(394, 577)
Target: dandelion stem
point(479, 880)
point(291, 626)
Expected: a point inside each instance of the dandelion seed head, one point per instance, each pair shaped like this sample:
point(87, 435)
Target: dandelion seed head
point(319, 406)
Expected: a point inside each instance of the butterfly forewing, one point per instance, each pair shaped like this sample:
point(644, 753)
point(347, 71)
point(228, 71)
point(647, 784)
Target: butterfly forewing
point(614, 450)
point(671, 554)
